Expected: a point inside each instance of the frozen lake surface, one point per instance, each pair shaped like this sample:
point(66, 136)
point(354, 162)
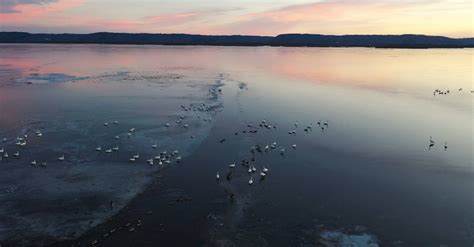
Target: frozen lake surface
point(363, 147)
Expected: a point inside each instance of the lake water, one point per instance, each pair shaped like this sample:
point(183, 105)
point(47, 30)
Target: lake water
point(368, 177)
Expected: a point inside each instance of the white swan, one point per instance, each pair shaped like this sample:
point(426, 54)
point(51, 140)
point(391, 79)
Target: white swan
point(432, 143)
point(431, 140)
point(251, 181)
point(98, 149)
point(218, 176)
point(265, 169)
point(232, 165)
point(61, 158)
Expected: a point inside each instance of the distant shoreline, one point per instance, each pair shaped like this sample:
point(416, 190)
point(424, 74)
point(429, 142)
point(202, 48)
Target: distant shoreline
point(213, 45)
point(408, 41)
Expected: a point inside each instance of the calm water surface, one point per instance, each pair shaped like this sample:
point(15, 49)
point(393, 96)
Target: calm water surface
point(370, 172)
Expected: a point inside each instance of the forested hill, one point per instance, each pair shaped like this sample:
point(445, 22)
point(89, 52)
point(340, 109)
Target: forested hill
point(312, 40)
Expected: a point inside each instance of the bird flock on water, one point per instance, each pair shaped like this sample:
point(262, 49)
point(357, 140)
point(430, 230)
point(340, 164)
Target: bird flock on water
point(447, 91)
point(162, 158)
point(249, 165)
point(167, 157)
point(432, 143)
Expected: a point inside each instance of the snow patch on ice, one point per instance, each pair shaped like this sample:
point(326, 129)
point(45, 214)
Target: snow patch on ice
point(36, 78)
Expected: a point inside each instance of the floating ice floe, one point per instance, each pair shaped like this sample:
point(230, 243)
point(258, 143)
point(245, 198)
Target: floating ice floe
point(340, 239)
point(36, 78)
point(61, 158)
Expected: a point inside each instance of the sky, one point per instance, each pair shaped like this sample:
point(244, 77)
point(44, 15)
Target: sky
point(452, 18)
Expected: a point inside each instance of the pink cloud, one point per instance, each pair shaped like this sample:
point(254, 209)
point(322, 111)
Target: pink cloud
point(171, 22)
point(346, 16)
point(11, 6)
point(287, 18)
point(176, 18)
point(189, 16)
point(28, 12)
point(145, 24)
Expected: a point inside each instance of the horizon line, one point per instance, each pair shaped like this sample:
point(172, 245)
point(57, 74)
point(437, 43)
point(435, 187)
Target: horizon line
point(250, 35)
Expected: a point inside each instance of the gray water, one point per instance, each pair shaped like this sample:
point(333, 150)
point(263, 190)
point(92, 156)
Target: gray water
point(370, 175)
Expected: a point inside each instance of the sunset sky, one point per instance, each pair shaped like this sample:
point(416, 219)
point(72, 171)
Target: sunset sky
point(258, 17)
